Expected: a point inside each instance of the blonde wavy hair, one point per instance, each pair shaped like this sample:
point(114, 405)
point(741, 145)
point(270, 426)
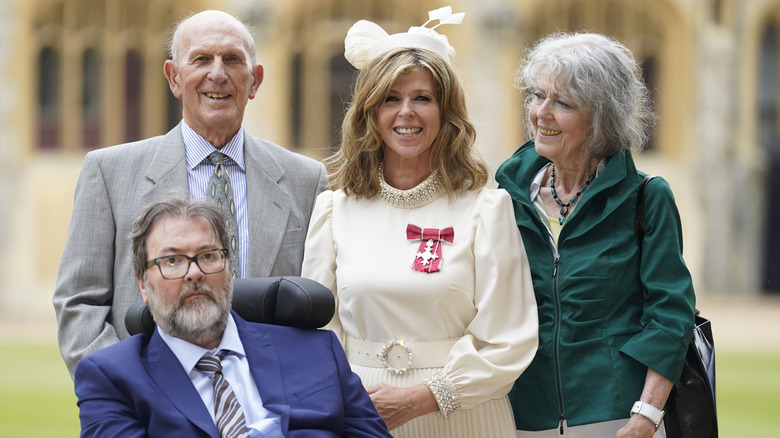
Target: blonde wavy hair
point(354, 167)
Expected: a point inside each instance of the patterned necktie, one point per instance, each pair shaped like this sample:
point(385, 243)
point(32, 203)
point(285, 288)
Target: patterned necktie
point(228, 413)
point(220, 190)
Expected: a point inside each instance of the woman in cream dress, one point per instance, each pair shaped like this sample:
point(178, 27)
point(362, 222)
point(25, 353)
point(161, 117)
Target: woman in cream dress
point(435, 306)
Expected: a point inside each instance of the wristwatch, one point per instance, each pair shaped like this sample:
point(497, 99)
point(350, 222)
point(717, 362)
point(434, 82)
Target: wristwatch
point(647, 410)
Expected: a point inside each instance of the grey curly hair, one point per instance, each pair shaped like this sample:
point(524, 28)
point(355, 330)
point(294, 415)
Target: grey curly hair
point(602, 77)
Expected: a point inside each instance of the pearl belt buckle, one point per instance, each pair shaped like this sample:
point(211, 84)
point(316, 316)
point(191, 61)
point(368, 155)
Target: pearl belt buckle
point(386, 350)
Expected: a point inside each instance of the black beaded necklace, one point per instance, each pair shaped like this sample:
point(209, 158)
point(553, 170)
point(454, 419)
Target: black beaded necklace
point(565, 207)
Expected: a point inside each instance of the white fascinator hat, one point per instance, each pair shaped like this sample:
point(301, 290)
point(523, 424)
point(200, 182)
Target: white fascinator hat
point(366, 40)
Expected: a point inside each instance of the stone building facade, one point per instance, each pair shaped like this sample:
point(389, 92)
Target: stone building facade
point(84, 74)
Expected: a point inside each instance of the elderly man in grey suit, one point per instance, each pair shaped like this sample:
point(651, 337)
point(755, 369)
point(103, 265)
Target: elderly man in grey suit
point(213, 70)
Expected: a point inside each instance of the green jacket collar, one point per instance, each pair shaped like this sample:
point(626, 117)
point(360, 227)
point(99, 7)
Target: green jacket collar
point(598, 201)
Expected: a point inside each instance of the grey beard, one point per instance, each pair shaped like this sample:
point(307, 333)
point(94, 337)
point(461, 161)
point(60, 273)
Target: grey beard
point(198, 322)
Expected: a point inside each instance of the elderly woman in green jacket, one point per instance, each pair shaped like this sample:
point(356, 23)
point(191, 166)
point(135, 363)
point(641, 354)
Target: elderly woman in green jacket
point(614, 324)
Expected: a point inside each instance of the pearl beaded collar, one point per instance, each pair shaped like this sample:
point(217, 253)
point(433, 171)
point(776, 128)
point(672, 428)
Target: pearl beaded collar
point(423, 194)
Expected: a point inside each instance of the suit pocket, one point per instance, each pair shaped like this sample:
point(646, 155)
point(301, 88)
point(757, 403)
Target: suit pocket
point(310, 389)
point(294, 236)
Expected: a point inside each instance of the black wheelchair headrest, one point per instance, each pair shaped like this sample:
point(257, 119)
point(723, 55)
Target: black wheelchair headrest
point(291, 301)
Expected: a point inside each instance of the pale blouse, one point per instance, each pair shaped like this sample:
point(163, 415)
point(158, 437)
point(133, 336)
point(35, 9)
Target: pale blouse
point(482, 296)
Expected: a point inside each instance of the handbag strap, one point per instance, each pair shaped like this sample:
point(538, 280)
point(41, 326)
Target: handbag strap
point(639, 220)
point(682, 418)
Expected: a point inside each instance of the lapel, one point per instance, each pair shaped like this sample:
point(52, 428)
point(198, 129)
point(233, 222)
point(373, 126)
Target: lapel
point(166, 372)
point(515, 176)
point(603, 197)
point(265, 368)
point(167, 169)
point(269, 206)
point(599, 201)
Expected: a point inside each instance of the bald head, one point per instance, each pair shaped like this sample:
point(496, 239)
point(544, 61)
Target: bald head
point(202, 21)
point(213, 71)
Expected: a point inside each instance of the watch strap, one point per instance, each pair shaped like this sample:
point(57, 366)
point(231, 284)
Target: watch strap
point(647, 410)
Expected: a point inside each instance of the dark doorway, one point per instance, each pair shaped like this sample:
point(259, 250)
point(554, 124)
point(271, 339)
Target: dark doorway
point(767, 96)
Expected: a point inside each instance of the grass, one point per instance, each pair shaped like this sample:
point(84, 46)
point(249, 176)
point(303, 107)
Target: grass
point(748, 394)
point(36, 393)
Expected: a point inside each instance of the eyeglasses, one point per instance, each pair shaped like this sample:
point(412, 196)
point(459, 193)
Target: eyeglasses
point(173, 267)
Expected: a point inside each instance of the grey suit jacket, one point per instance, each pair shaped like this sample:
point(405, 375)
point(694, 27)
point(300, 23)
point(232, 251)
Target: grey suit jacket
point(96, 283)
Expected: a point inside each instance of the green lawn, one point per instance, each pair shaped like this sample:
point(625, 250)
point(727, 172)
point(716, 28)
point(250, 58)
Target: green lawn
point(748, 394)
point(36, 393)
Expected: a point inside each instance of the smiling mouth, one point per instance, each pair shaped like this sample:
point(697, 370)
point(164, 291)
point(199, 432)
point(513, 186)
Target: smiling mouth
point(408, 132)
point(545, 131)
point(216, 95)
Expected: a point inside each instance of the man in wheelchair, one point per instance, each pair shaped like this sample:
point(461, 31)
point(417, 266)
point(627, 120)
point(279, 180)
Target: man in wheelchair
point(205, 371)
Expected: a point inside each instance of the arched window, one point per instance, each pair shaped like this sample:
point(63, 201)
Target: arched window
point(172, 110)
point(91, 99)
point(134, 69)
point(103, 89)
point(766, 99)
point(650, 76)
point(48, 98)
point(766, 94)
point(296, 97)
point(342, 76)
point(320, 79)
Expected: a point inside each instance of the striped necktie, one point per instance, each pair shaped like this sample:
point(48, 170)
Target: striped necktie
point(228, 413)
point(221, 192)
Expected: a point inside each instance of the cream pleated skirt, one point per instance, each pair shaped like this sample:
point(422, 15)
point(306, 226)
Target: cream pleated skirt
point(491, 419)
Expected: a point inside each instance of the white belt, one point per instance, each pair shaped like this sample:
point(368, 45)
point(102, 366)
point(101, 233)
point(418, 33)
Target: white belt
point(398, 357)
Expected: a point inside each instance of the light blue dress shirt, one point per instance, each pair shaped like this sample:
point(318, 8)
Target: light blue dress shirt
point(235, 367)
point(199, 170)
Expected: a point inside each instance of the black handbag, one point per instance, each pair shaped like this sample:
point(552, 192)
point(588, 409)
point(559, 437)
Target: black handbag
point(690, 408)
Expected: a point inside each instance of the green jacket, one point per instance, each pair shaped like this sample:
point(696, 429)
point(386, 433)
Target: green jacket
point(598, 333)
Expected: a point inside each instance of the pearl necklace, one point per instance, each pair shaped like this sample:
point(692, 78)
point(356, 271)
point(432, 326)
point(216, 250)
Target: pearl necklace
point(423, 194)
point(565, 207)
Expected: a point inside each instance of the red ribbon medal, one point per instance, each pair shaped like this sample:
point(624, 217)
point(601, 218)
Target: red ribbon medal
point(428, 257)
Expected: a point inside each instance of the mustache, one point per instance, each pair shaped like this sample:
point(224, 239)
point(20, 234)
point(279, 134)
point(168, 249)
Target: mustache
point(200, 288)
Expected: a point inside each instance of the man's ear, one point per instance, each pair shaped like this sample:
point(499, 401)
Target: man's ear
point(172, 75)
point(142, 287)
point(257, 75)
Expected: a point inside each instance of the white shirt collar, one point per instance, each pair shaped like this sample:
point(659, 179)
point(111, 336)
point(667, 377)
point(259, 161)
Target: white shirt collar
point(536, 184)
point(198, 148)
point(189, 354)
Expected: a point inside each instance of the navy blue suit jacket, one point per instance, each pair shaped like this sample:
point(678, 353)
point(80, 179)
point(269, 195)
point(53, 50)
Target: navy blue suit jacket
point(137, 387)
